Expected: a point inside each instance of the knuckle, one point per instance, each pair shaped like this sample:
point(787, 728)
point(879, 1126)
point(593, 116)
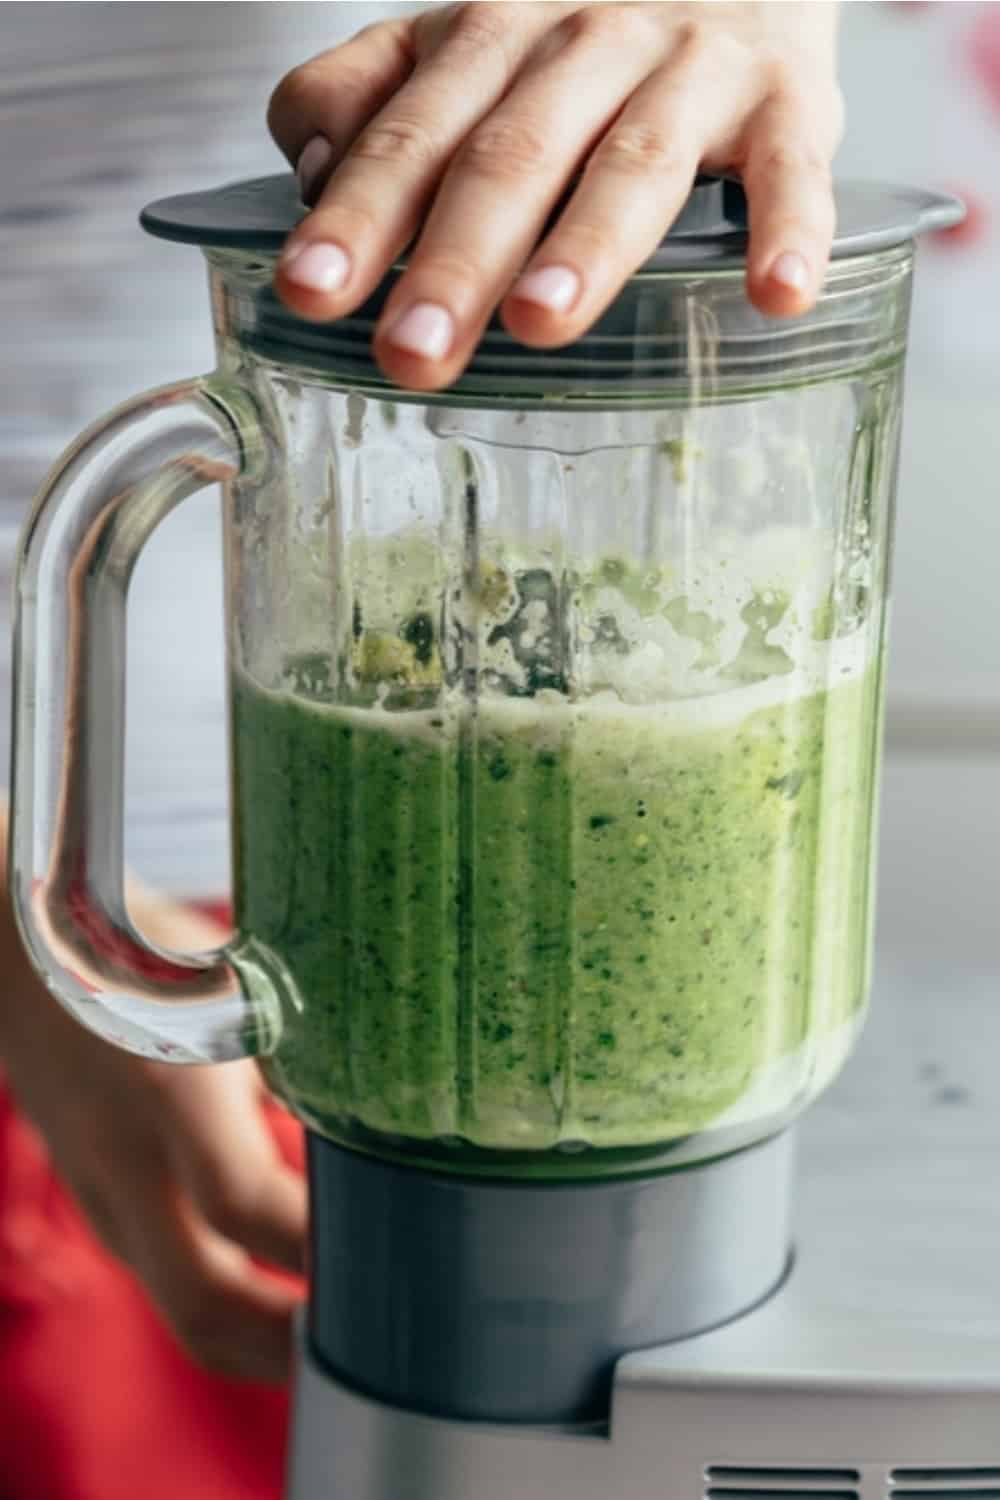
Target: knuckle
point(594, 24)
point(578, 26)
point(794, 158)
point(383, 31)
point(294, 95)
point(504, 149)
point(449, 266)
point(347, 83)
point(804, 226)
point(642, 149)
point(706, 55)
point(693, 39)
point(306, 90)
point(402, 139)
point(610, 25)
point(479, 27)
point(354, 217)
point(584, 240)
point(811, 102)
point(397, 40)
point(780, 74)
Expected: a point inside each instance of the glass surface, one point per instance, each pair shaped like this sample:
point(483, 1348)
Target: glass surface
point(555, 739)
point(555, 705)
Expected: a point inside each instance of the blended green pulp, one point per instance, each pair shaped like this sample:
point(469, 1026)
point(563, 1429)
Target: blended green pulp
point(535, 928)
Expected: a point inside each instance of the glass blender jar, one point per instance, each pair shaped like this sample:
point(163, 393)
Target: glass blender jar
point(555, 720)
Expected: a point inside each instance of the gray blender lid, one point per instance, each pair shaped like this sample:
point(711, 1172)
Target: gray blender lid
point(710, 232)
point(640, 348)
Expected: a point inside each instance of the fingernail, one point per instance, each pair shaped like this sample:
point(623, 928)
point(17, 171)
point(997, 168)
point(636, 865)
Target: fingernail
point(790, 270)
point(313, 164)
point(426, 329)
point(555, 287)
point(319, 267)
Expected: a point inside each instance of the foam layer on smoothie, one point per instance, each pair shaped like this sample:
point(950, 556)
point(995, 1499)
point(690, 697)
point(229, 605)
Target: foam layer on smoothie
point(749, 610)
point(546, 716)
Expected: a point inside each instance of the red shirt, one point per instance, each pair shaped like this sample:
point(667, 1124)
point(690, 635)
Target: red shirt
point(99, 1401)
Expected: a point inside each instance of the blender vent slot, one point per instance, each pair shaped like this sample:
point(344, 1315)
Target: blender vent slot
point(772, 1492)
point(944, 1484)
point(726, 1482)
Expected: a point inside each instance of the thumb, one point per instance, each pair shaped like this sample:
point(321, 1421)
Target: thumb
point(333, 96)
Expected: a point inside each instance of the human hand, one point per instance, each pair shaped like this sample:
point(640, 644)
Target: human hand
point(175, 1167)
point(472, 119)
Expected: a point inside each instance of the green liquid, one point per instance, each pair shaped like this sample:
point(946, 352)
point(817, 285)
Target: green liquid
point(543, 926)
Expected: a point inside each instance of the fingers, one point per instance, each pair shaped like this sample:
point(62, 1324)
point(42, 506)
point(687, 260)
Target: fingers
point(218, 1138)
point(231, 1317)
point(495, 198)
point(224, 1155)
point(180, 1178)
point(474, 118)
point(320, 107)
point(372, 204)
point(635, 183)
point(118, 1129)
point(789, 186)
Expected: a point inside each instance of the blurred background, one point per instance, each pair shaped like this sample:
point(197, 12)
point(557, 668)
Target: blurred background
point(104, 107)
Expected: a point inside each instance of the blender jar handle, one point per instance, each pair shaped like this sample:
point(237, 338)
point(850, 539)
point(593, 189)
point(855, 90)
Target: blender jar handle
point(84, 535)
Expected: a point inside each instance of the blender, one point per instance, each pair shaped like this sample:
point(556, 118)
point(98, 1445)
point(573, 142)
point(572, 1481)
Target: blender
point(555, 714)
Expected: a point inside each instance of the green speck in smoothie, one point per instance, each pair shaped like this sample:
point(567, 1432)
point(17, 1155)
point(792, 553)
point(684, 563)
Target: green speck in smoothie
point(788, 785)
point(419, 633)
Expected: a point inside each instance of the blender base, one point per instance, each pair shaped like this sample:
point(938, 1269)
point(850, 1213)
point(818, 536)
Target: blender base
point(776, 1408)
point(874, 1372)
point(500, 1300)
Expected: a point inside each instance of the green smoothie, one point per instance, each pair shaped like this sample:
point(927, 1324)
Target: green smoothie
point(540, 923)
